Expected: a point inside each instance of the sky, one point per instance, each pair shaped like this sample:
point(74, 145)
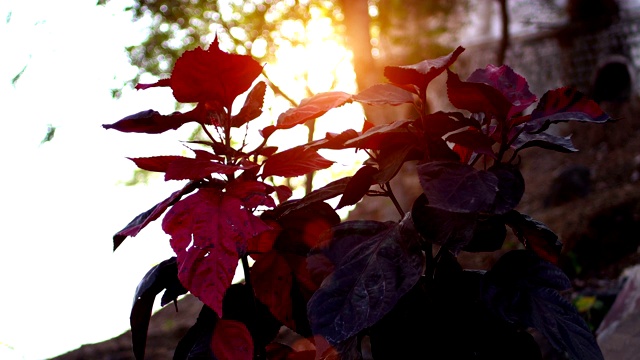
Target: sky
point(62, 200)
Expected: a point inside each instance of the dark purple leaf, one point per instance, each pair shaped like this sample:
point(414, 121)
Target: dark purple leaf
point(513, 86)
point(252, 107)
point(441, 123)
point(489, 235)
point(562, 105)
point(160, 277)
point(510, 187)
point(458, 187)
point(535, 236)
point(523, 289)
point(142, 220)
point(452, 230)
point(422, 73)
point(544, 140)
point(391, 158)
point(370, 279)
point(332, 140)
point(151, 122)
point(379, 136)
point(476, 97)
point(326, 192)
point(358, 186)
point(196, 343)
point(474, 140)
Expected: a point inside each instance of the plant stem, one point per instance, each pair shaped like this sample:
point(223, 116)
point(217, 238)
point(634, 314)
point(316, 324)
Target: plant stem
point(393, 199)
point(247, 270)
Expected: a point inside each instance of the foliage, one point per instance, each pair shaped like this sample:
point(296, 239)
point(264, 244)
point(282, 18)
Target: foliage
point(337, 282)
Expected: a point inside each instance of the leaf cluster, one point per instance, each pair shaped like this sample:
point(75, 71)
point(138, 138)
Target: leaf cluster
point(338, 283)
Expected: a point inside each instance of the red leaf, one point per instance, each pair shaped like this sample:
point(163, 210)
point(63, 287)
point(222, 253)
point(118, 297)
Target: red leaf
point(252, 193)
point(294, 162)
point(283, 192)
point(263, 242)
point(476, 97)
point(195, 169)
point(231, 341)
point(209, 231)
point(312, 108)
point(422, 73)
point(155, 163)
point(212, 75)
point(513, 86)
point(159, 83)
point(272, 283)
point(142, 220)
point(150, 122)
point(252, 106)
point(384, 94)
point(205, 155)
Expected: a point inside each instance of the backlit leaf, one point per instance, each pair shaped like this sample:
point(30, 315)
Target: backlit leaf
point(209, 232)
point(384, 94)
point(251, 193)
point(155, 163)
point(212, 75)
point(312, 108)
point(369, 279)
point(294, 162)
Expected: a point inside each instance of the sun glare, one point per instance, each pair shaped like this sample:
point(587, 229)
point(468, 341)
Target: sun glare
point(314, 60)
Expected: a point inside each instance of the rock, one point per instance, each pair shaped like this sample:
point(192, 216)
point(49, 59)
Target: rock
point(619, 331)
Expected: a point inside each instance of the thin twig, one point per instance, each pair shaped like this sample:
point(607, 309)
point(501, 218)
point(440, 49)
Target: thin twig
point(393, 199)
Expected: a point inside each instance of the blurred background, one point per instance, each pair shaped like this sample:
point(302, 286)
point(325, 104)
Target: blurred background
point(70, 66)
